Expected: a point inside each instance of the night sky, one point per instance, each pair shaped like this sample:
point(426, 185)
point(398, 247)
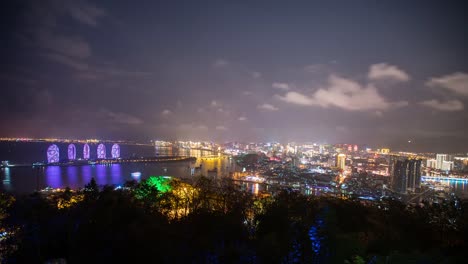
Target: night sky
point(364, 72)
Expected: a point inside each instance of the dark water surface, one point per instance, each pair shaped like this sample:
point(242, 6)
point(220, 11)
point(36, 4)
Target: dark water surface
point(29, 179)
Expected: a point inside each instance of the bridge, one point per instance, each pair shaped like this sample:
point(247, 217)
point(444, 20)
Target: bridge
point(53, 152)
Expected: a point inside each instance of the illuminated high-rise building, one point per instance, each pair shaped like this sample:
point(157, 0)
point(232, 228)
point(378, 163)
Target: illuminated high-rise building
point(414, 174)
point(405, 173)
point(321, 149)
point(431, 163)
point(440, 158)
point(341, 161)
point(447, 165)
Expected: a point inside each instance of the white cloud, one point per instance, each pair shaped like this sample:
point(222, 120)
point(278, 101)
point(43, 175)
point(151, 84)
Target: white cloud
point(281, 86)
point(246, 93)
point(345, 94)
point(222, 128)
point(215, 103)
point(166, 112)
point(242, 118)
point(267, 107)
point(383, 71)
point(256, 75)
point(297, 98)
point(456, 82)
point(450, 105)
point(219, 63)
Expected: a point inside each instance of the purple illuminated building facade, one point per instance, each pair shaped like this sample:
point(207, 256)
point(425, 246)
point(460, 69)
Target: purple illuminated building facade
point(115, 151)
point(86, 152)
point(101, 151)
point(71, 152)
point(53, 155)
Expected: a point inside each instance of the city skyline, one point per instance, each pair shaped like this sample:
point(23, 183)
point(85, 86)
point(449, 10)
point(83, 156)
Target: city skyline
point(389, 74)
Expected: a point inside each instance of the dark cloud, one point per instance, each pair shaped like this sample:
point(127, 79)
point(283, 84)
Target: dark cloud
point(378, 73)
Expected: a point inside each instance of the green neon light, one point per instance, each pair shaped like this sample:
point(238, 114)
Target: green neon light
point(153, 186)
point(162, 183)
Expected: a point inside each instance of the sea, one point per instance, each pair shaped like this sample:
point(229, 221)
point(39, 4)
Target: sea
point(27, 179)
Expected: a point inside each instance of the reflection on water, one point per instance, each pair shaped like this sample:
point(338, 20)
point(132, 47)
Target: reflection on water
point(100, 174)
point(255, 188)
point(72, 172)
point(53, 176)
point(460, 188)
point(6, 179)
point(27, 179)
point(116, 172)
point(86, 173)
point(172, 151)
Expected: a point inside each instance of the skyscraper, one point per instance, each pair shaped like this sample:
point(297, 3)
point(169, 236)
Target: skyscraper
point(431, 163)
point(414, 174)
point(405, 173)
point(447, 165)
point(340, 161)
point(440, 158)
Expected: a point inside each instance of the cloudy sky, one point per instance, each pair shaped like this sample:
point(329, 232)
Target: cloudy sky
point(380, 73)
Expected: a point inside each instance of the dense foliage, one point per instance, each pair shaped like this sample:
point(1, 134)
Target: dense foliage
point(207, 221)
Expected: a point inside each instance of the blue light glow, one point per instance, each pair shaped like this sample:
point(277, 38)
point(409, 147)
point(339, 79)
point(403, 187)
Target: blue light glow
point(435, 178)
point(136, 174)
